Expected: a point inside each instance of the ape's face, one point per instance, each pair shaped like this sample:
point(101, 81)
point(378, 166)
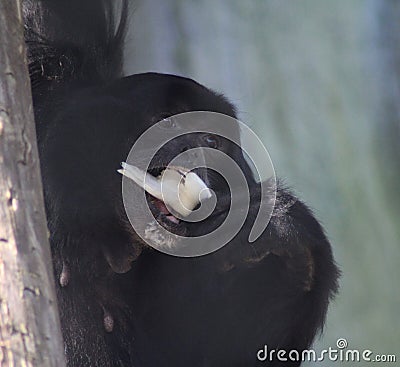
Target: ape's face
point(161, 100)
point(108, 120)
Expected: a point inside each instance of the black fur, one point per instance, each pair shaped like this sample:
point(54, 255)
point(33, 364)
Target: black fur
point(121, 303)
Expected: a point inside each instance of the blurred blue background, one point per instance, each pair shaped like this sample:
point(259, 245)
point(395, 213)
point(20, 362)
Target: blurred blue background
point(318, 81)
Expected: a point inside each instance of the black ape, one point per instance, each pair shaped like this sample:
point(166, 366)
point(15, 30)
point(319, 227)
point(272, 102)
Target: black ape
point(122, 303)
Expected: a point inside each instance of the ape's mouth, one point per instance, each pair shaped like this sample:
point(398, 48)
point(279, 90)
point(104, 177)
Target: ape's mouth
point(161, 212)
point(172, 192)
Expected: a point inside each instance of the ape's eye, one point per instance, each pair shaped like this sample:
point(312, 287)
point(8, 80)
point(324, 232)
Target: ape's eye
point(168, 123)
point(211, 140)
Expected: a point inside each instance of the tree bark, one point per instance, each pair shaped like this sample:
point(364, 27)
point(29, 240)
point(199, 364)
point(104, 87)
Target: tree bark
point(29, 323)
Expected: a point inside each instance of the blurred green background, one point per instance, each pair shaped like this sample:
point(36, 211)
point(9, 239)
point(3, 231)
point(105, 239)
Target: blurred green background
point(318, 81)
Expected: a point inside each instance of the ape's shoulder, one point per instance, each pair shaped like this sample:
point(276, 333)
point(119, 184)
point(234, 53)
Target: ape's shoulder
point(295, 237)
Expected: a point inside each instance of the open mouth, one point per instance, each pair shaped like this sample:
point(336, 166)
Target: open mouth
point(161, 212)
point(172, 192)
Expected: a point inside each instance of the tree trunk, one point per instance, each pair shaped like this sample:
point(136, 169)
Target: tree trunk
point(29, 323)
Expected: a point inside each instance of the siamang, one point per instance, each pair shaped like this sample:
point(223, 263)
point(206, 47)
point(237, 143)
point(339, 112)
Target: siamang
point(121, 302)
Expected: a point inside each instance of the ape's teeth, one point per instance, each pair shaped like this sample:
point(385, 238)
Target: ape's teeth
point(177, 187)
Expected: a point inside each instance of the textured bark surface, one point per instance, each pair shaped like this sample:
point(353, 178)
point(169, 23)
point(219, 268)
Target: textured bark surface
point(29, 324)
